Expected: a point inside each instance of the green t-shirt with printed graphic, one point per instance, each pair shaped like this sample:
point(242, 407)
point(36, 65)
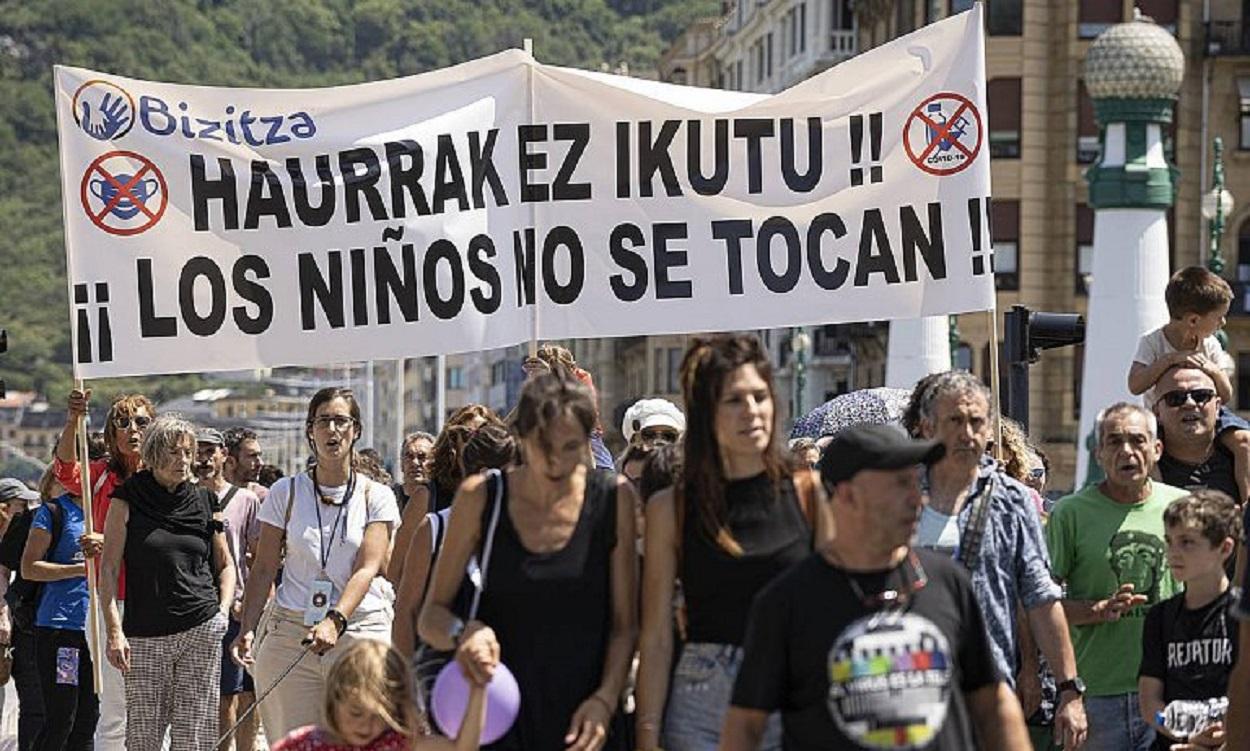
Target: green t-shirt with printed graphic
point(1096, 545)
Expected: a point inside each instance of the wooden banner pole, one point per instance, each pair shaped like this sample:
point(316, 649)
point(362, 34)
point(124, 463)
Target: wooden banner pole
point(93, 603)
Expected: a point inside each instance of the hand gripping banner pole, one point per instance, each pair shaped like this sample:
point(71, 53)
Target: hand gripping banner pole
point(84, 474)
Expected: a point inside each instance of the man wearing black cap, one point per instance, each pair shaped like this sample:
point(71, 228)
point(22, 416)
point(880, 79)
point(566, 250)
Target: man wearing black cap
point(868, 643)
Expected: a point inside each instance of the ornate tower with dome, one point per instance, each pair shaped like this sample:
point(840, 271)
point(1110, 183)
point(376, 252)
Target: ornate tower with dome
point(1133, 72)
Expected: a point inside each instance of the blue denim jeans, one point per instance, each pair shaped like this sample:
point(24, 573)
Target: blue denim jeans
point(702, 686)
point(1115, 724)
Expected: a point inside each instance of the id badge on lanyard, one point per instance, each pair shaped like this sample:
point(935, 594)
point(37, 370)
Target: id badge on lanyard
point(318, 604)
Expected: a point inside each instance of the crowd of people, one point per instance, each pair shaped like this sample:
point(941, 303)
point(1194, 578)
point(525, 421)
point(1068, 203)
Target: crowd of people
point(712, 587)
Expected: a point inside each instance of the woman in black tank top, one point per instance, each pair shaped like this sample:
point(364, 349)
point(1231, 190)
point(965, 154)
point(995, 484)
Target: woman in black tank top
point(733, 522)
point(558, 603)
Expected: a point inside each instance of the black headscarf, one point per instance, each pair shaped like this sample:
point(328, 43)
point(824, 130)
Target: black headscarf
point(186, 510)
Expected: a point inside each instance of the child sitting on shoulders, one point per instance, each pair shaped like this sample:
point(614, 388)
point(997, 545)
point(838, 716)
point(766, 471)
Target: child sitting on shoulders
point(1189, 642)
point(1197, 301)
point(369, 705)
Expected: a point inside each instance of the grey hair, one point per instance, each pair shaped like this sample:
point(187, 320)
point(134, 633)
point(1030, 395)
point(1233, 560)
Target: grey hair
point(1152, 422)
point(165, 432)
point(419, 435)
point(950, 383)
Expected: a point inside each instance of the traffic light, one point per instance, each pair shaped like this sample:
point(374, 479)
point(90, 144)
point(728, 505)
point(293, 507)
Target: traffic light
point(1027, 334)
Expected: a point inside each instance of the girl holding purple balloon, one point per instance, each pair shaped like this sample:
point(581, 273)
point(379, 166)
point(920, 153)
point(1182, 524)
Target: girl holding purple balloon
point(558, 602)
point(369, 706)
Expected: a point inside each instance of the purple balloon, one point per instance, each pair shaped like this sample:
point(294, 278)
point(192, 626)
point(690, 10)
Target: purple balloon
point(450, 697)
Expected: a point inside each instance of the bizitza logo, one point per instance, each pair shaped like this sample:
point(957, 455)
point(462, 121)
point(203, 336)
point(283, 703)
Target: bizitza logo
point(104, 111)
point(890, 681)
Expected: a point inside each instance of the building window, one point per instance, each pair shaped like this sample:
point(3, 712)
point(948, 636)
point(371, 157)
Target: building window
point(1243, 252)
point(657, 356)
point(962, 359)
point(1005, 234)
point(1084, 265)
point(455, 378)
point(1096, 16)
point(739, 81)
point(959, 6)
point(904, 17)
point(1086, 127)
point(674, 370)
point(768, 55)
point(1164, 12)
point(1003, 96)
point(1006, 18)
point(1243, 381)
point(802, 27)
point(1243, 94)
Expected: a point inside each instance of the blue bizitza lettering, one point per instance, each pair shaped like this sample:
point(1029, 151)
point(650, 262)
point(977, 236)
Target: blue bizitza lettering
point(159, 119)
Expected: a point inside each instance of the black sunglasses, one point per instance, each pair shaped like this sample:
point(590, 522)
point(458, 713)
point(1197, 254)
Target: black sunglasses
point(121, 422)
point(1178, 397)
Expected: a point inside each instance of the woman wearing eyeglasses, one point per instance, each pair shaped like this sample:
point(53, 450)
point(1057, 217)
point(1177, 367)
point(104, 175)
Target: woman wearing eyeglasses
point(734, 520)
point(335, 525)
point(128, 418)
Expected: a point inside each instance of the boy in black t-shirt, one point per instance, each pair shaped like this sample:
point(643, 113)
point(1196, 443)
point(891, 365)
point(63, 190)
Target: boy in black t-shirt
point(1189, 642)
point(868, 644)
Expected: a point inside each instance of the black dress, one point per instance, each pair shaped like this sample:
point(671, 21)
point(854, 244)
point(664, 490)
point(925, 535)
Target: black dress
point(552, 614)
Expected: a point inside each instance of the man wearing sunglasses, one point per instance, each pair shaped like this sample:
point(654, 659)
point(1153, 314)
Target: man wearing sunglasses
point(1188, 407)
point(869, 643)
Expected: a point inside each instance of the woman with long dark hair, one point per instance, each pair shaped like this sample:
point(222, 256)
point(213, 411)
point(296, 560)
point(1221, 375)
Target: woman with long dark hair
point(735, 519)
point(335, 525)
point(559, 600)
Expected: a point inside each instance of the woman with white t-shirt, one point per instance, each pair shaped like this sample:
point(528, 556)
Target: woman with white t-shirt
point(336, 526)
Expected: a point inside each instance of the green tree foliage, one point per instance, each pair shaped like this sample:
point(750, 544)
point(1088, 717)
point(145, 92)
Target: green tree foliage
point(274, 43)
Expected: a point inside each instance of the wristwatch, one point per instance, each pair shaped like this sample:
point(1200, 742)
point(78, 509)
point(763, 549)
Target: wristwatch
point(338, 619)
point(1074, 684)
point(455, 632)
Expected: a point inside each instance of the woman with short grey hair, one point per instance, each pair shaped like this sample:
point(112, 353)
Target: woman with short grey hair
point(180, 585)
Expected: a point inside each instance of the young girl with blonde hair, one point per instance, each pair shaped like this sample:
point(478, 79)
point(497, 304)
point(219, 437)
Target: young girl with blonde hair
point(369, 706)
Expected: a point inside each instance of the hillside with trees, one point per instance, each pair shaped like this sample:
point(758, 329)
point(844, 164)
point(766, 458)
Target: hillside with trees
point(265, 43)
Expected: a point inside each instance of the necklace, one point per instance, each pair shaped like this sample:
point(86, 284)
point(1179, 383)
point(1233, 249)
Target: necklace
point(914, 580)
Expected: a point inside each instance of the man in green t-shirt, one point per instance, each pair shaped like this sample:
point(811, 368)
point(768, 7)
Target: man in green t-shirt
point(1106, 547)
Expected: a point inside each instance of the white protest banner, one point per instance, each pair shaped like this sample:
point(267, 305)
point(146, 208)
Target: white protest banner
point(502, 200)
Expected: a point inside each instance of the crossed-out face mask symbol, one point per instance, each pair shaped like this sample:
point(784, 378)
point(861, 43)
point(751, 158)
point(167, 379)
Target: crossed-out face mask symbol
point(131, 200)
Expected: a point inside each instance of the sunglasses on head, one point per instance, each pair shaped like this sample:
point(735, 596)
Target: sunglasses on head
point(121, 422)
point(1178, 397)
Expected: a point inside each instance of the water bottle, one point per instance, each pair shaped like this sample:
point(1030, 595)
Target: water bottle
point(1183, 718)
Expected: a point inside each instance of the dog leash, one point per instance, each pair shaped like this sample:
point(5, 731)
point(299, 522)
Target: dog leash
point(307, 644)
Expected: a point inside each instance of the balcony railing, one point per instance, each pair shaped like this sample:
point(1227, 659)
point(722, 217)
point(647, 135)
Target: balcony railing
point(1227, 38)
point(842, 44)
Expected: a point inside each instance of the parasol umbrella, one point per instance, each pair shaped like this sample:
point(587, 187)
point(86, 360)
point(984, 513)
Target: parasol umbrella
point(875, 406)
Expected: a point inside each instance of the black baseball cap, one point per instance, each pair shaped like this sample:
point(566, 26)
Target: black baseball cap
point(874, 447)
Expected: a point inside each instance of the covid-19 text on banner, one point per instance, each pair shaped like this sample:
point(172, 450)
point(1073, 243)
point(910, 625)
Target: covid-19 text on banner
point(503, 200)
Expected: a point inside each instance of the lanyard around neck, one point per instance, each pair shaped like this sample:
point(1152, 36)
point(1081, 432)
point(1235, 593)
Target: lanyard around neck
point(323, 553)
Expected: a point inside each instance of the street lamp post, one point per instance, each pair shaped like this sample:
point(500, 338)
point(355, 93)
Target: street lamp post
point(800, 342)
point(1216, 206)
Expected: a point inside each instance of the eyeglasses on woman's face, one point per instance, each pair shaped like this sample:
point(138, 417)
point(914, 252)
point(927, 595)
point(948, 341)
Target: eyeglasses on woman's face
point(122, 422)
point(337, 422)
